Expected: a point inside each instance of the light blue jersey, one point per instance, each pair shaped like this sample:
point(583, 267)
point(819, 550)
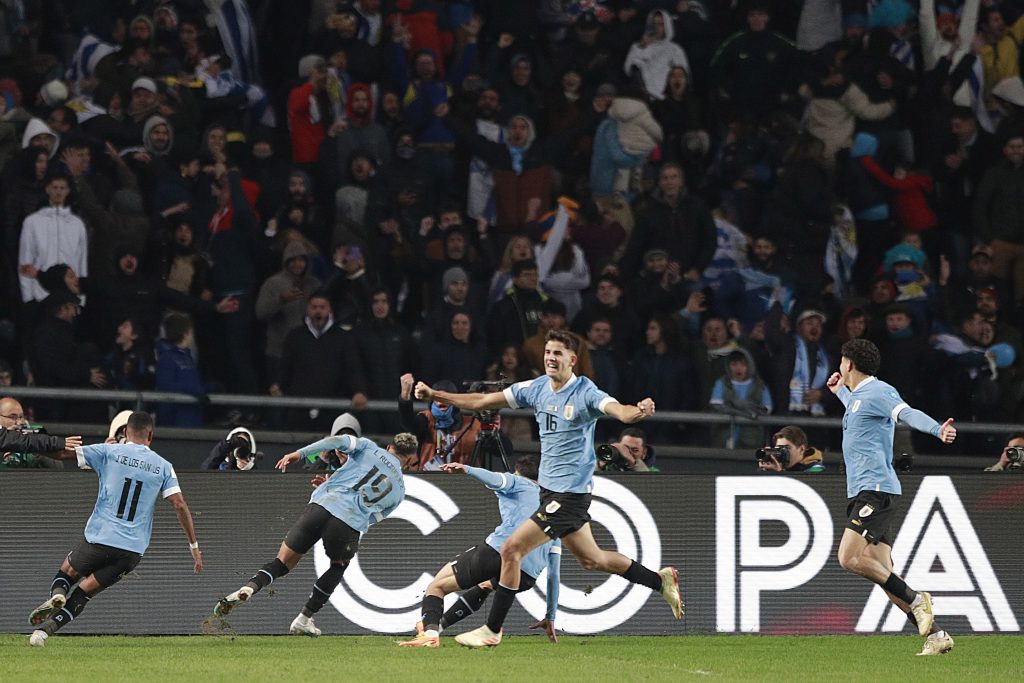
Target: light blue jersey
point(363, 491)
point(132, 479)
point(518, 498)
point(566, 419)
point(872, 410)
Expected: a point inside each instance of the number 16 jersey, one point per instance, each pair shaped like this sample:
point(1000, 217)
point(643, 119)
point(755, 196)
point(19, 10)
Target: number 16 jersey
point(363, 491)
point(132, 479)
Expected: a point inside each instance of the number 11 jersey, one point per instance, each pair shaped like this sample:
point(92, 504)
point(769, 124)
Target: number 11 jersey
point(132, 479)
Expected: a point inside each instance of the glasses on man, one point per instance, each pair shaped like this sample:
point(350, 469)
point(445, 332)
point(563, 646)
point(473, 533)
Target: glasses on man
point(18, 417)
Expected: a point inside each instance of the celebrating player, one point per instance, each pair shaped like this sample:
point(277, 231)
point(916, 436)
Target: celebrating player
point(567, 407)
point(364, 490)
point(132, 477)
point(872, 410)
point(476, 570)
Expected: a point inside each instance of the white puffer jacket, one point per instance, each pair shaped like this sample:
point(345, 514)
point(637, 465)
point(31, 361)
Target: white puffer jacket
point(639, 132)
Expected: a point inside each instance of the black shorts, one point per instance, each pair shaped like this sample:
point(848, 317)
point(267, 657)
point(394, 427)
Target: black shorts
point(560, 514)
point(869, 513)
point(340, 540)
point(107, 563)
point(482, 563)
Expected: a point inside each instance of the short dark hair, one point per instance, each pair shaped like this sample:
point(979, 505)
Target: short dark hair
point(526, 264)
point(864, 354)
point(737, 356)
point(636, 433)
point(553, 307)
point(176, 326)
point(567, 339)
point(528, 466)
point(962, 113)
point(792, 434)
point(139, 423)
point(56, 175)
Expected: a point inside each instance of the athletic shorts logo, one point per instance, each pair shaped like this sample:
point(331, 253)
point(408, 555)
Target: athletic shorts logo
point(865, 511)
point(569, 412)
point(552, 507)
point(856, 406)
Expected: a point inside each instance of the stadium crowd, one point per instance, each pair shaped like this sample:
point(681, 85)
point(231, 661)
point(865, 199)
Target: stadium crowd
point(314, 198)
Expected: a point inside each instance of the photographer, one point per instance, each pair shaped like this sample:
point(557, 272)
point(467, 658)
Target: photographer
point(236, 452)
point(1012, 456)
point(630, 453)
point(790, 452)
point(445, 433)
point(21, 445)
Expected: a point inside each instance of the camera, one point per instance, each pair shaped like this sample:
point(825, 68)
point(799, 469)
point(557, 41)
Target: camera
point(1015, 454)
point(781, 453)
point(612, 459)
point(488, 418)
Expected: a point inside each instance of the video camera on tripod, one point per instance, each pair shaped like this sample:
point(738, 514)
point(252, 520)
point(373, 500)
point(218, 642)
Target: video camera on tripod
point(488, 418)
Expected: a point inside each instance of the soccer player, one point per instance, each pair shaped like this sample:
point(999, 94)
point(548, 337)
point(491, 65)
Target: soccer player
point(567, 407)
point(872, 410)
point(364, 490)
point(132, 478)
point(476, 570)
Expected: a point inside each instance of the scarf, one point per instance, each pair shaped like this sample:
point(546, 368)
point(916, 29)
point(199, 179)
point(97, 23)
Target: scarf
point(444, 418)
point(516, 153)
point(801, 380)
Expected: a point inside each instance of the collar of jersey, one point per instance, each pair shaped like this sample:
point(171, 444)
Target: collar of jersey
point(869, 380)
point(572, 378)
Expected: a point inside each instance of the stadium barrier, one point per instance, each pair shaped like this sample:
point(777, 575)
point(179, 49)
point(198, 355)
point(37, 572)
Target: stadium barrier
point(755, 553)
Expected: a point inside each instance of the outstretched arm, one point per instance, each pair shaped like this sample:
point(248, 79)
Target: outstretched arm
point(493, 400)
point(915, 419)
point(345, 443)
point(185, 520)
point(630, 414)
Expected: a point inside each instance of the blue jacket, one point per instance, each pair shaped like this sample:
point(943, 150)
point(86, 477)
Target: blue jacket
point(177, 371)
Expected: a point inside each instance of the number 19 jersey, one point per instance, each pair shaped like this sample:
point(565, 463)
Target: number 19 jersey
point(366, 489)
point(566, 419)
point(132, 479)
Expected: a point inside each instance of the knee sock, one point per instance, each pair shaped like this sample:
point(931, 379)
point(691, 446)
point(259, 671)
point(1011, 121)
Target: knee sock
point(503, 599)
point(274, 569)
point(468, 603)
point(898, 587)
point(637, 573)
point(62, 584)
point(432, 608)
point(64, 616)
point(323, 588)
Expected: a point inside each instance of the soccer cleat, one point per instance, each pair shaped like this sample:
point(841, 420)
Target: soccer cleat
point(480, 637)
point(306, 628)
point(670, 590)
point(422, 640)
point(38, 638)
point(921, 608)
point(419, 627)
point(228, 602)
point(43, 612)
point(938, 643)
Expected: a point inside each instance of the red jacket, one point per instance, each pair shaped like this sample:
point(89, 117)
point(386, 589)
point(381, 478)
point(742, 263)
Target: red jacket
point(305, 122)
point(911, 201)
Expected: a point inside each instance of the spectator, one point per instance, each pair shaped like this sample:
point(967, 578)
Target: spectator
point(801, 364)
point(518, 248)
point(740, 392)
point(50, 236)
point(1004, 464)
point(997, 219)
point(802, 457)
point(281, 303)
point(662, 371)
point(319, 359)
point(609, 369)
point(235, 452)
point(633, 453)
point(176, 371)
point(349, 286)
point(679, 112)
point(552, 317)
point(58, 360)
point(621, 144)
point(516, 316)
point(445, 433)
point(511, 368)
point(609, 302)
point(130, 365)
point(462, 356)
point(386, 351)
point(24, 180)
point(456, 289)
point(13, 419)
point(361, 133)
point(650, 59)
point(998, 51)
point(562, 268)
point(659, 288)
point(306, 121)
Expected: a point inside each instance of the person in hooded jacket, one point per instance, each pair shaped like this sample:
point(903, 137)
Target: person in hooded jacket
point(105, 119)
point(37, 133)
point(24, 192)
point(622, 143)
point(234, 453)
point(281, 303)
point(741, 392)
point(362, 133)
point(655, 54)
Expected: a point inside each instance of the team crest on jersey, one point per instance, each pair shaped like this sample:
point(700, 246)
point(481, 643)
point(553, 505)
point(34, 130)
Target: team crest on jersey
point(856, 406)
point(569, 411)
point(866, 511)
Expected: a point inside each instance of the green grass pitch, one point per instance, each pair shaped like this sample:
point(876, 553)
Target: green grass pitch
point(780, 659)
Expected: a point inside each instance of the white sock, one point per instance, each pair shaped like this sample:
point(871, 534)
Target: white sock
point(916, 602)
point(431, 633)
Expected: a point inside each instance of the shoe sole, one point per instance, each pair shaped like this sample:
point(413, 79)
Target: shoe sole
point(43, 612)
point(474, 646)
point(677, 608)
point(300, 632)
point(224, 606)
point(419, 643)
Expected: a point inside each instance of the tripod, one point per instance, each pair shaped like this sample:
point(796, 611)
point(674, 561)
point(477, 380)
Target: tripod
point(487, 440)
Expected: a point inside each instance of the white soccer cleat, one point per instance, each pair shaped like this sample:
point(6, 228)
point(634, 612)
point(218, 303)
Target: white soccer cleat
point(228, 602)
point(304, 627)
point(43, 612)
point(422, 640)
point(480, 637)
point(38, 638)
point(921, 608)
point(938, 643)
point(670, 590)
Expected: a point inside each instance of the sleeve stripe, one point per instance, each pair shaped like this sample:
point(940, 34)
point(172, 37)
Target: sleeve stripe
point(896, 411)
point(80, 454)
point(604, 404)
point(510, 398)
point(167, 493)
point(556, 549)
